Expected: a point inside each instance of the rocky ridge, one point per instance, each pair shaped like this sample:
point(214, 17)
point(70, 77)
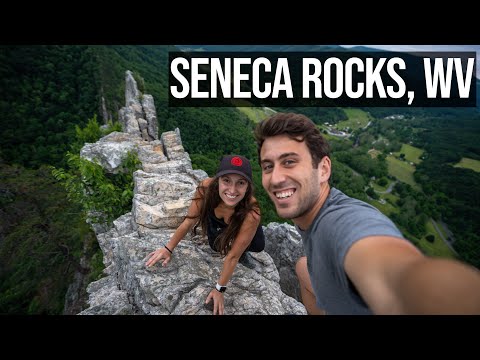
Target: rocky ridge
point(163, 190)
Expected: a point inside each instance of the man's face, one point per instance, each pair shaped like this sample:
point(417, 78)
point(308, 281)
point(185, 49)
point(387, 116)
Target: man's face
point(290, 179)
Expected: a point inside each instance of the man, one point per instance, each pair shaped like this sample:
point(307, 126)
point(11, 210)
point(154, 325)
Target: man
point(357, 261)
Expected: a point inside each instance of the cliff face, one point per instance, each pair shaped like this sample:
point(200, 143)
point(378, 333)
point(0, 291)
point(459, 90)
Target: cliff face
point(163, 192)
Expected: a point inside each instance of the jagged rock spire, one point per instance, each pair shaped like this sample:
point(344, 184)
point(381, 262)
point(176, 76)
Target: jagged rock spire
point(139, 116)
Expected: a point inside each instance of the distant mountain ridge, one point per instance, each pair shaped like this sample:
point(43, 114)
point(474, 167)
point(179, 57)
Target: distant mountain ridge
point(368, 49)
point(261, 48)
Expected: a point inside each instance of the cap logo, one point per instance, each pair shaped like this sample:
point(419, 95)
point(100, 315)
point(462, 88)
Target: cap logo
point(236, 161)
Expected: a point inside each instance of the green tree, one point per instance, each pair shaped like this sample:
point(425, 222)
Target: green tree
point(43, 239)
point(371, 192)
point(102, 196)
point(382, 181)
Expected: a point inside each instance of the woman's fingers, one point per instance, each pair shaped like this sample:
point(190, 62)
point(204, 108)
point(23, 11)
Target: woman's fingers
point(166, 261)
point(154, 257)
point(215, 307)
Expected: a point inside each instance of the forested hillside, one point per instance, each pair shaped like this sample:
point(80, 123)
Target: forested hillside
point(42, 238)
point(450, 139)
point(45, 91)
point(444, 192)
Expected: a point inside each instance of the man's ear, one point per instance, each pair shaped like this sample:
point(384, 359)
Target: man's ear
point(325, 169)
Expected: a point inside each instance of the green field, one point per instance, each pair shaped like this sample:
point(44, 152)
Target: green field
point(391, 197)
point(412, 153)
point(256, 114)
point(329, 137)
point(386, 208)
point(442, 230)
point(379, 188)
point(356, 119)
point(438, 247)
point(468, 163)
point(402, 170)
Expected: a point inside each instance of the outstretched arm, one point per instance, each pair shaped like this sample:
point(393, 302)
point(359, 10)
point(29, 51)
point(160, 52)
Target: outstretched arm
point(242, 241)
point(393, 277)
point(440, 286)
point(187, 224)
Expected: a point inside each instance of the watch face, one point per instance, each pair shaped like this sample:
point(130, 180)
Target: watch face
point(221, 288)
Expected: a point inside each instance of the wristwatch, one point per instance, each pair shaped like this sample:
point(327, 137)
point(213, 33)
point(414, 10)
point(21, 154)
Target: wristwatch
point(220, 288)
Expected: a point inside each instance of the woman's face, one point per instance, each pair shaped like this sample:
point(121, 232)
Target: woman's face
point(232, 188)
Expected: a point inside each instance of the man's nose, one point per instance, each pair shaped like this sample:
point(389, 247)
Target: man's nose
point(277, 175)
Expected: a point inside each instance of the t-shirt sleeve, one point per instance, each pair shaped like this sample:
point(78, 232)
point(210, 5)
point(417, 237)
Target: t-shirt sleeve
point(352, 223)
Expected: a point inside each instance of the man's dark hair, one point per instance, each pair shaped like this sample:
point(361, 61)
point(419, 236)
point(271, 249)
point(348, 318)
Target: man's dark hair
point(297, 127)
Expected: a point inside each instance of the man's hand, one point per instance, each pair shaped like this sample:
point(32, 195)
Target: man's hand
point(217, 297)
point(157, 255)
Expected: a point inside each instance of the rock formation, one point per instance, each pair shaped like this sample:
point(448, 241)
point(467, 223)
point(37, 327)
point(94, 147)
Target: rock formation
point(163, 191)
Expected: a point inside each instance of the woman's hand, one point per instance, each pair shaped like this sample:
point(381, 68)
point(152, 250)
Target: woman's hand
point(157, 255)
point(217, 297)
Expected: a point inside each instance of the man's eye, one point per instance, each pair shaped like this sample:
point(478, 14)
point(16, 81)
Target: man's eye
point(267, 167)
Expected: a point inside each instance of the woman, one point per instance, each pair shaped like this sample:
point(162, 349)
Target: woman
point(227, 212)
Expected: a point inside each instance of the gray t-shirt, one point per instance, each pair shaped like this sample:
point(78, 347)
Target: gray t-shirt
point(341, 222)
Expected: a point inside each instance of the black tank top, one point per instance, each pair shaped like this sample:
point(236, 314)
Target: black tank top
point(215, 228)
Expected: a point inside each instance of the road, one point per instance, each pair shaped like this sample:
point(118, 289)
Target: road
point(442, 237)
point(389, 189)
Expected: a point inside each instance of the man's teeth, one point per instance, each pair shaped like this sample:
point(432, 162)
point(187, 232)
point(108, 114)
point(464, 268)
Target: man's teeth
point(284, 194)
point(231, 196)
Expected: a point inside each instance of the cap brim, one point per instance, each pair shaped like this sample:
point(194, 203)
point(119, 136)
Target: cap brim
point(225, 172)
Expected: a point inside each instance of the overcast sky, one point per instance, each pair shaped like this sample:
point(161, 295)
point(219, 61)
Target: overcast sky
point(406, 48)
